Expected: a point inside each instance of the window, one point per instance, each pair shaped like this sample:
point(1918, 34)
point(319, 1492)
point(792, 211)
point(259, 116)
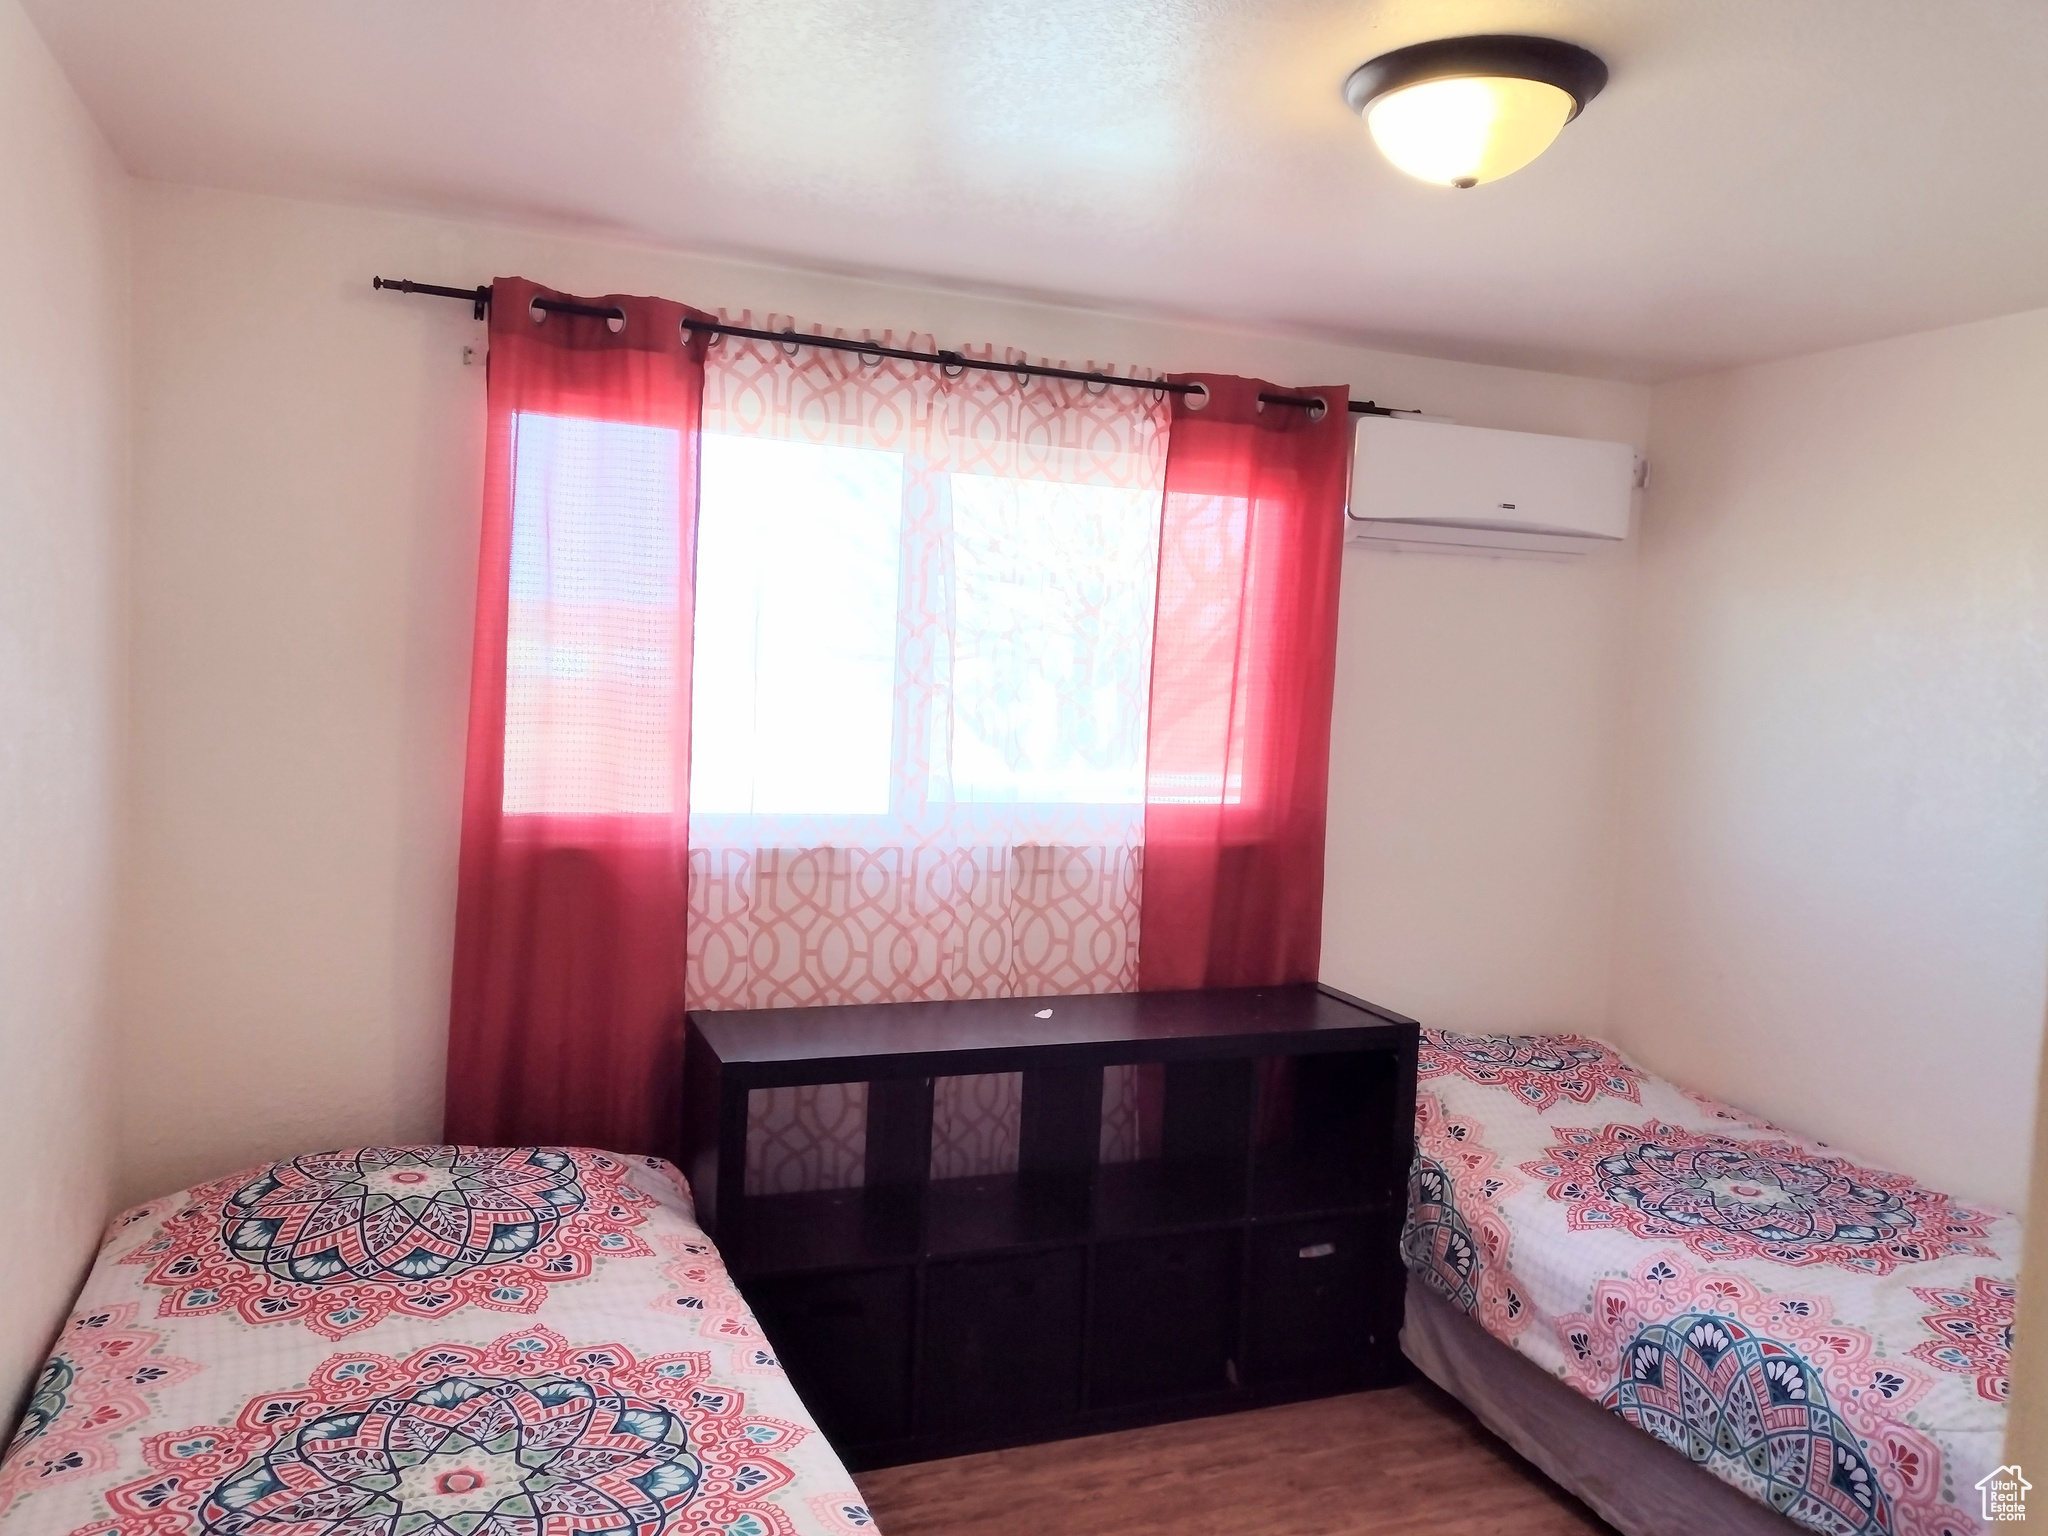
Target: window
point(886, 654)
point(883, 652)
point(590, 645)
point(794, 677)
point(1052, 640)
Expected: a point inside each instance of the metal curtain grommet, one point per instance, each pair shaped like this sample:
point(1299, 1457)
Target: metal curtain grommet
point(535, 313)
point(1195, 396)
point(1319, 410)
point(615, 322)
point(1096, 384)
point(790, 344)
point(870, 354)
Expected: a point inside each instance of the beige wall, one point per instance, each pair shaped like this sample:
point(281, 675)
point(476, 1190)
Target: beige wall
point(1471, 844)
point(308, 459)
point(63, 456)
point(1834, 905)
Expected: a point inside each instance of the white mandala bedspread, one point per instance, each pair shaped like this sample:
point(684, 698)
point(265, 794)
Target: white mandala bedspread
point(1830, 1338)
point(420, 1341)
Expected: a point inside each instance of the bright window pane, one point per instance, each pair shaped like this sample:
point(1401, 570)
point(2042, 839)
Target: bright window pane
point(794, 673)
point(590, 659)
point(1053, 591)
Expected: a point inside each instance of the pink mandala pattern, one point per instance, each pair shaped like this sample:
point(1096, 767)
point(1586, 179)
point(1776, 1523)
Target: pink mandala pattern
point(1871, 1394)
point(1973, 1333)
point(703, 1290)
point(846, 1512)
point(1455, 1237)
point(527, 1436)
point(341, 1240)
point(1732, 1115)
point(1539, 1070)
point(97, 1382)
point(1730, 1199)
point(668, 1173)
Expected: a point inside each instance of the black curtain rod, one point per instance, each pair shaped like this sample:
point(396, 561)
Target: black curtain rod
point(480, 298)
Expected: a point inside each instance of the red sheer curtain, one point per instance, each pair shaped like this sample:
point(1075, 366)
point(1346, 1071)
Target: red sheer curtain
point(1243, 666)
point(571, 899)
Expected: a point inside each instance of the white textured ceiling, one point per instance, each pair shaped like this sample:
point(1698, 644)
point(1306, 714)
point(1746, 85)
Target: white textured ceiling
point(1760, 178)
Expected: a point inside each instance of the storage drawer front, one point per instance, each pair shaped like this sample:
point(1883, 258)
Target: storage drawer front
point(1164, 1319)
point(1319, 1300)
point(1001, 1342)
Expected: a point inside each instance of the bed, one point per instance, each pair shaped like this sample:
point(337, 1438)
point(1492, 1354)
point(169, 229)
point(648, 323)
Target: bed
point(1595, 1253)
point(419, 1341)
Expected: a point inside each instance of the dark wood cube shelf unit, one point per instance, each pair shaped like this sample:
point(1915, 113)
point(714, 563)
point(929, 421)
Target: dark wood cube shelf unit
point(1249, 1255)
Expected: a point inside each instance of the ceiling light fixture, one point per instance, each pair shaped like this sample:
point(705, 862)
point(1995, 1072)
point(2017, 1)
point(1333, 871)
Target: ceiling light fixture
point(1463, 110)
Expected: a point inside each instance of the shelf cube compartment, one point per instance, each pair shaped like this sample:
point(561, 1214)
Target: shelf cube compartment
point(1331, 1130)
point(1192, 1140)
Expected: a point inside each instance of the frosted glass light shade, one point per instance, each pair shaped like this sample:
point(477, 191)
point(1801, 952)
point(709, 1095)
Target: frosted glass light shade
point(1461, 110)
point(1462, 131)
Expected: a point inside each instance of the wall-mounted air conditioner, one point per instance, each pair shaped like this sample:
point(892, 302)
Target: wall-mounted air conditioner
point(1437, 485)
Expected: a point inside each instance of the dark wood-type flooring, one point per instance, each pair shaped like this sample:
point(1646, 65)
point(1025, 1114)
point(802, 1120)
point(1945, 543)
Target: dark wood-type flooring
point(1408, 1459)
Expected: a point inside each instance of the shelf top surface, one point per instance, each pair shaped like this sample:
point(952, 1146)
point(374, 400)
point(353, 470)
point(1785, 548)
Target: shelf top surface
point(854, 1031)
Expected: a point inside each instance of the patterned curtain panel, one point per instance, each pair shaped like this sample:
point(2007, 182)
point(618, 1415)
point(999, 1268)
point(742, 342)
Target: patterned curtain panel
point(924, 630)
